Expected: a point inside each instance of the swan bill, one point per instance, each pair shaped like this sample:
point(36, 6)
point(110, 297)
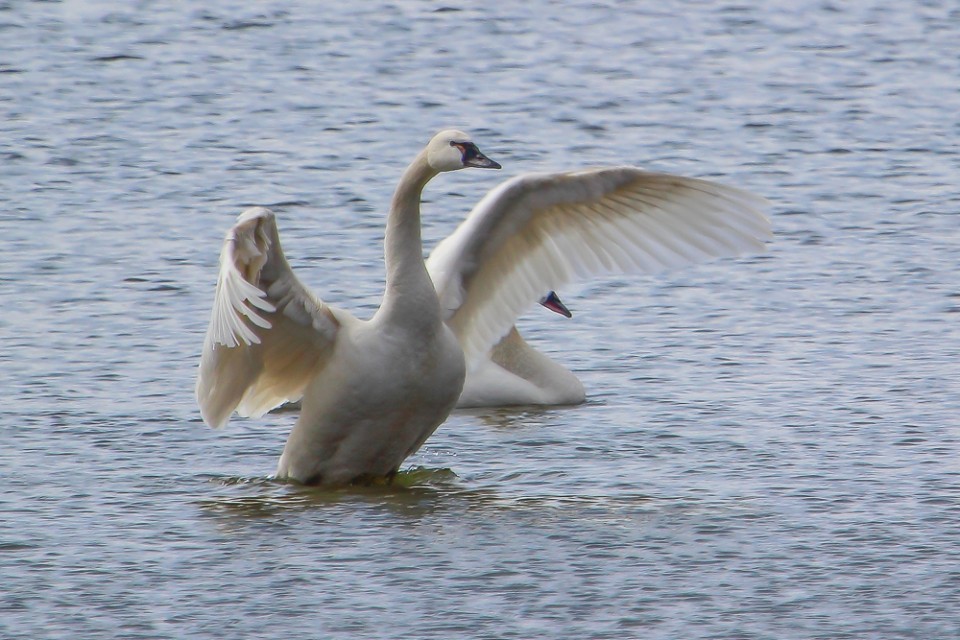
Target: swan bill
point(473, 157)
point(553, 302)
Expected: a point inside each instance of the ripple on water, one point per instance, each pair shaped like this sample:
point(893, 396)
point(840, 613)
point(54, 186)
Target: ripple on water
point(769, 447)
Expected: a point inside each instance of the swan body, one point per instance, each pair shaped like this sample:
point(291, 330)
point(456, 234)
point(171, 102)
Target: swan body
point(537, 232)
point(517, 374)
point(372, 391)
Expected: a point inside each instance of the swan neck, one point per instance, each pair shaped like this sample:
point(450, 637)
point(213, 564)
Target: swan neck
point(409, 287)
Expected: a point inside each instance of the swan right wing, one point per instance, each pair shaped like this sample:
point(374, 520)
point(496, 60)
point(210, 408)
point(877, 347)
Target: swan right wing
point(268, 333)
point(537, 232)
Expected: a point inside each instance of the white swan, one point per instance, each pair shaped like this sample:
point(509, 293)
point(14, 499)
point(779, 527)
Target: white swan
point(537, 232)
point(372, 390)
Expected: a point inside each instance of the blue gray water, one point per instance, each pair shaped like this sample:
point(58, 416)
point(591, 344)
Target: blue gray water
point(770, 447)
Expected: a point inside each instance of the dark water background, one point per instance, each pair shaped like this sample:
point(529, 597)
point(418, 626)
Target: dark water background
point(770, 449)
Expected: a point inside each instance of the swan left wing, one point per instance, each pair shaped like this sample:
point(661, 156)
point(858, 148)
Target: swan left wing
point(268, 333)
point(535, 233)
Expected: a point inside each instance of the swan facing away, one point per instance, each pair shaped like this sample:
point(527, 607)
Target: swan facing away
point(374, 390)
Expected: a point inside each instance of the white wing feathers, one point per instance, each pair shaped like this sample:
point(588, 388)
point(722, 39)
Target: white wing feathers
point(267, 331)
point(535, 233)
point(244, 254)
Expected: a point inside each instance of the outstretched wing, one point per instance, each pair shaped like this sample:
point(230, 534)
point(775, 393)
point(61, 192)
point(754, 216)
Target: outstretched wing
point(537, 232)
point(268, 333)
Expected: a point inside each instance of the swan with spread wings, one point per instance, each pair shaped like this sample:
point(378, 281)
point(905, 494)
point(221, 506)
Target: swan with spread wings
point(374, 390)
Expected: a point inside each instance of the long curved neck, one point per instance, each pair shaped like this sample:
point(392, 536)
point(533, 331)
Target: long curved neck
point(409, 288)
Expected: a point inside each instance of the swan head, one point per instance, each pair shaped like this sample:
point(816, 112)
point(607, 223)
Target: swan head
point(450, 150)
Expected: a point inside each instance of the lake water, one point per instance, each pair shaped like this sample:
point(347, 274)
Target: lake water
point(771, 446)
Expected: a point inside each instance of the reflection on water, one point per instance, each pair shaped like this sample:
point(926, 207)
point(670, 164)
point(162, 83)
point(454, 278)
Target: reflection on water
point(259, 497)
point(418, 493)
point(513, 417)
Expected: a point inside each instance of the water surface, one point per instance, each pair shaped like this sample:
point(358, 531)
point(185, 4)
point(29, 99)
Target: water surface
point(770, 446)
